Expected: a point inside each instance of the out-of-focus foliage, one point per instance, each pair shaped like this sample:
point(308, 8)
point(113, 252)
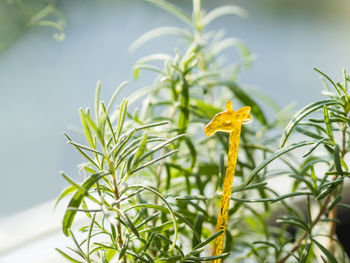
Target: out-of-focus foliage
point(16, 16)
point(152, 180)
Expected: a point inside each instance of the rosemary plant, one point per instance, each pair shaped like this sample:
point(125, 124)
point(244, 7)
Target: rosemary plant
point(327, 126)
point(153, 179)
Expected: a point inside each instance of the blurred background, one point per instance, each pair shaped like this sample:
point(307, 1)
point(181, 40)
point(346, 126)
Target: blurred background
point(44, 79)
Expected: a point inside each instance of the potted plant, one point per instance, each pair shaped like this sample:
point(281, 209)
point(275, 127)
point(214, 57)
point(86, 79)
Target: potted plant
point(153, 180)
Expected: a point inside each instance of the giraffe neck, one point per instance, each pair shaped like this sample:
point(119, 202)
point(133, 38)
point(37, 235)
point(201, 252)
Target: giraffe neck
point(231, 167)
point(233, 153)
point(226, 192)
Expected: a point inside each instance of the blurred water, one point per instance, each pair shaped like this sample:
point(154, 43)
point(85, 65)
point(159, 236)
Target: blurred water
point(44, 82)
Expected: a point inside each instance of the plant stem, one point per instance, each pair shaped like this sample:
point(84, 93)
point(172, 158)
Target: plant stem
point(314, 222)
point(116, 197)
point(333, 212)
point(343, 148)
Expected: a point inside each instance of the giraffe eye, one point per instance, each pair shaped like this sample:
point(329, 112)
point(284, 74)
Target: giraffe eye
point(228, 122)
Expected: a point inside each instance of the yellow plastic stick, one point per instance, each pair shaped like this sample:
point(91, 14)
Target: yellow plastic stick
point(227, 121)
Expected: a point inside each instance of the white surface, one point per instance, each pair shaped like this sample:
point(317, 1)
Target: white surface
point(32, 236)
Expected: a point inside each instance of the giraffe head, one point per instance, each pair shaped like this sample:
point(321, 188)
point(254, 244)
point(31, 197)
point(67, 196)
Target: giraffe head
point(228, 120)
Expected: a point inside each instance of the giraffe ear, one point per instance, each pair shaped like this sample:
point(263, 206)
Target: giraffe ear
point(248, 119)
point(244, 110)
point(244, 113)
point(229, 105)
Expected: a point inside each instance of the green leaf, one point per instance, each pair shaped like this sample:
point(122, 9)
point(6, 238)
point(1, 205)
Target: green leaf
point(313, 177)
point(221, 173)
point(151, 125)
point(160, 146)
point(89, 234)
point(83, 147)
point(151, 238)
point(150, 58)
point(172, 9)
point(254, 186)
point(192, 150)
point(86, 129)
point(268, 160)
point(327, 122)
point(67, 257)
point(198, 225)
point(169, 259)
point(118, 148)
point(221, 11)
point(161, 31)
point(306, 251)
point(121, 119)
point(167, 240)
point(136, 255)
point(225, 44)
point(87, 157)
point(147, 67)
point(124, 247)
point(196, 80)
point(184, 114)
point(128, 222)
point(343, 89)
point(160, 228)
point(97, 101)
point(268, 244)
point(191, 197)
point(208, 240)
point(309, 133)
point(272, 200)
point(171, 211)
point(67, 191)
point(79, 249)
point(97, 128)
point(109, 123)
point(205, 109)
point(208, 169)
point(326, 191)
point(132, 147)
point(76, 201)
point(115, 95)
point(314, 146)
point(110, 253)
point(146, 220)
point(337, 160)
point(200, 259)
point(302, 114)
point(340, 245)
point(326, 252)
point(153, 161)
point(336, 200)
point(141, 149)
point(78, 187)
point(346, 206)
point(319, 128)
point(329, 79)
point(292, 220)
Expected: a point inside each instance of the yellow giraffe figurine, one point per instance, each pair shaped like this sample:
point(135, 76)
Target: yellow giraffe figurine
point(227, 121)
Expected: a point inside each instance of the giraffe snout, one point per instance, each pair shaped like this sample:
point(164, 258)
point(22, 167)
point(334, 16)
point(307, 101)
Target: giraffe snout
point(209, 130)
